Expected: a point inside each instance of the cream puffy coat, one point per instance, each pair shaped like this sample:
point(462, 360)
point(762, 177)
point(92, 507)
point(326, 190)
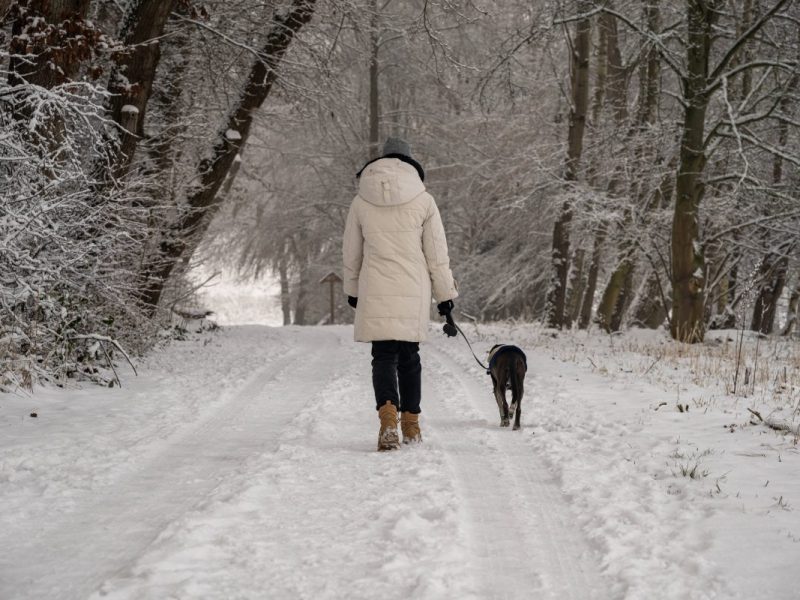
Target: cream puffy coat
point(394, 252)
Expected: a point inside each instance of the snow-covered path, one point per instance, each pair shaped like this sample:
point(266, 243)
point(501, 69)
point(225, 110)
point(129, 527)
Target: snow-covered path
point(277, 487)
point(242, 465)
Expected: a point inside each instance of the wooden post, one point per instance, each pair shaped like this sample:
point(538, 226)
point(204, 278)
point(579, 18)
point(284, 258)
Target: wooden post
point(333, 279)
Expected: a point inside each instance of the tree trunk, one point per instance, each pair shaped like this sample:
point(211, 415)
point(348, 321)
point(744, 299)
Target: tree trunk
point(775, 290)
point(723, 291)
point(761, 299)
point(575, 287)
point(617, 294)
point(687, 254)
point(650, 72)
point(718, 313)
point(654, 307)
point(624, 300)
point(301, 302)
point(791, 314)
point(728, 293)
point(131, 81)
point(600, 72)
point(649, 307)
point(162, 147)
point(617, 100)
point(733, 282)
point(772, 289)
point(374, 97)
point(786, 105)
point(615, 297)
point(4, 6)
point(617, 73)
point(591, 278)
point(649, 310)
point(773, 269)
point(772, 277)
point(688, 294)
point(183, 235)
point(580, 97)
point(747, 51)
point(557, 292)
point(286, 300)
point(609, 299)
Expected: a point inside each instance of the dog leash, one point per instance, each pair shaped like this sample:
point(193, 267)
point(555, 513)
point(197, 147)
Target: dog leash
point(451, 329)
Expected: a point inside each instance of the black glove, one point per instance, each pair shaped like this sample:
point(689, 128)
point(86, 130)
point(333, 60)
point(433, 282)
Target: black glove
point(352, 301)
point(449, 328)
point(445, 308)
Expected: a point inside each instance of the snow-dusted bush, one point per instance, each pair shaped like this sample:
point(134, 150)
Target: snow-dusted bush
point(68, 245)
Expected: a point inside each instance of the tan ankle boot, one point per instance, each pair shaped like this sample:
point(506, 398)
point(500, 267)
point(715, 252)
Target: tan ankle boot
point(387, 437)
point(410, 425)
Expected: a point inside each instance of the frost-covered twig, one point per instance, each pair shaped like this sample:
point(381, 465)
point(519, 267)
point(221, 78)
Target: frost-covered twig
point(105, 338)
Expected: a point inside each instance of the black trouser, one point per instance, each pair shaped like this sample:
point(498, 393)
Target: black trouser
point(395, 365)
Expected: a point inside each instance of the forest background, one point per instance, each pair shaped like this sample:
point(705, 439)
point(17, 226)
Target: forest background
point(601, 164)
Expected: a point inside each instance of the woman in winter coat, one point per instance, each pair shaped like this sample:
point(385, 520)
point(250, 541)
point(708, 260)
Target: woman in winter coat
point(395, 255)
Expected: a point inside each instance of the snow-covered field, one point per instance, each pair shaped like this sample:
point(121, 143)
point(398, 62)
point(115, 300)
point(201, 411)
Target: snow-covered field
point(242, 464)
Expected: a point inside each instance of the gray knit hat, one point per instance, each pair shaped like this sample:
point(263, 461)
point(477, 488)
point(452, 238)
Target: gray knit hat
point(399, 149)
point(396, 145)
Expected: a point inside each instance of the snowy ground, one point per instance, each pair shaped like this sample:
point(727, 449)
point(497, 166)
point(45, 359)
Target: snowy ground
point(242, 465)
point(236, 302)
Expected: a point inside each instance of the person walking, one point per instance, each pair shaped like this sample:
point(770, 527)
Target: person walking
point(395, 256)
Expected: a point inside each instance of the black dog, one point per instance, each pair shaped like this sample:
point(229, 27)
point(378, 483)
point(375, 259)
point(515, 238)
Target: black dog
point(507, 366)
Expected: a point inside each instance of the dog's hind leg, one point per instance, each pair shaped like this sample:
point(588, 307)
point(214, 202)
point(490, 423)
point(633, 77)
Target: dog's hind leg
point(502, 406)
point(517, 389)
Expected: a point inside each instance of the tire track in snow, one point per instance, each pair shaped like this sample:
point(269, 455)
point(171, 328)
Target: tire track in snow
point(525, 541)
point(117, 524)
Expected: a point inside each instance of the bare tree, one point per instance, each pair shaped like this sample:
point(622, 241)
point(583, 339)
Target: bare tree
point(699, 82)
point(183, 234)
point(579, 85)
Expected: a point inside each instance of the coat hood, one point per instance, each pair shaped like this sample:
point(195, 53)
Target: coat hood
point(389, 182)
